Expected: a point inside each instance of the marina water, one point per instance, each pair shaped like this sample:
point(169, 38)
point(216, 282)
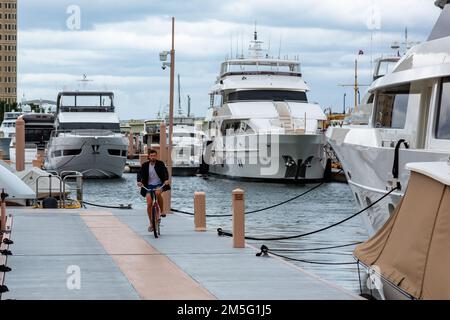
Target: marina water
point(330, 203)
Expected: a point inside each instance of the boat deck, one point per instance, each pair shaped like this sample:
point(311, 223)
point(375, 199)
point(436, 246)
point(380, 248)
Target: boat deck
point(93, 254)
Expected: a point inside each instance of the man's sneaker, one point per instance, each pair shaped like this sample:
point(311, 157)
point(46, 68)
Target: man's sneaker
point(150, 229)
point(163, 215)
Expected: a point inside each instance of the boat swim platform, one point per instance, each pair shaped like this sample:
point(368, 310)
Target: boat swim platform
point(110, 255)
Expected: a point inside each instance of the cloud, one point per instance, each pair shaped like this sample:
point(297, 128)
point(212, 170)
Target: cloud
point(119, 43)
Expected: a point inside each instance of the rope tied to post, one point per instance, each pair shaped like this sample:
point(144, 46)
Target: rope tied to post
point(257, 210)
point(121, 206)
point(228, 234)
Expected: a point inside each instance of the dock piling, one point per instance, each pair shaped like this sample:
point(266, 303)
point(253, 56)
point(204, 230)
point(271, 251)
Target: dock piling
point(3, 211)
point(200, 211)
point(20, 144)
point(238, 219)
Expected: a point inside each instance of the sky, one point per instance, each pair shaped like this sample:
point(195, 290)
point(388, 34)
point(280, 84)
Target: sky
point(117, 44)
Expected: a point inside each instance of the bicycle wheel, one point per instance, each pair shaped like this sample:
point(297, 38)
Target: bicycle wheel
point(158, 219)
point(155, 222)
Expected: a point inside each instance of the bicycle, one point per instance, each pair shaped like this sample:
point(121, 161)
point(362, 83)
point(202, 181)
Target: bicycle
point(156, 211)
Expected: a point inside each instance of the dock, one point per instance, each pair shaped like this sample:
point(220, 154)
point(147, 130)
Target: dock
point(109, 254)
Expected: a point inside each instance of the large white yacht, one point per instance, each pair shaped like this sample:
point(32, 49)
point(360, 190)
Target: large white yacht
point(261, 125)
point(412, 107)
point(8, 126)
point(87, 136)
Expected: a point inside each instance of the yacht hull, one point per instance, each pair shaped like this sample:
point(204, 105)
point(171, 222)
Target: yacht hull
point(368, 170)
point(95, 160)
point(185, 171)
point(286, 158)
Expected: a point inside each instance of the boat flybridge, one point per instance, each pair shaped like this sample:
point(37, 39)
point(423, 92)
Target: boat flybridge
point(87, 136)
point(410, 122)
point(261, 125)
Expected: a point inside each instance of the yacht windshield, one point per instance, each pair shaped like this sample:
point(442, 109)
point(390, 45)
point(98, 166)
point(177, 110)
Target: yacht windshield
point(266, 95)
point(443, 123)
point(87, 102)
point(90, 126)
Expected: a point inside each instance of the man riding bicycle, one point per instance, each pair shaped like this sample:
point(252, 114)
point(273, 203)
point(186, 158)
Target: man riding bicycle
point(153, 175)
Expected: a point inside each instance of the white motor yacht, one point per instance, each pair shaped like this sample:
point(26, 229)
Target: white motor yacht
point(8, 126)
point(187, 149)
point(410, 122)
point(261, 125)
point(87, 136)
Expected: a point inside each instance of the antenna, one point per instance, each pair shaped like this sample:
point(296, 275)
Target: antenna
point(237, 46)
point(189, 106)
point(85, 81)
point(242, 45)
point(180, 112)
point(255, 46)
point(279, 49)
point(231, 46)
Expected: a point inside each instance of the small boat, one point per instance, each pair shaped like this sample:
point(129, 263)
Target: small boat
point(31, 176)
point(187, 150)
point(18, 191)
point(408, 257)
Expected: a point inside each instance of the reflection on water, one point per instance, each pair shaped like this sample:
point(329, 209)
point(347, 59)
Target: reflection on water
point(328, 204)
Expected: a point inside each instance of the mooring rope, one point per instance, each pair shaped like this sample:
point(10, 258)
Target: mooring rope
point(312, 249)
point(228, 234)
point(121, 206)
point(313, 262)
point(258, 210)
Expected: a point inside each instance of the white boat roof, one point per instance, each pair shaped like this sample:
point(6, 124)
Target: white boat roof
point(439, 171)
point(88, 117)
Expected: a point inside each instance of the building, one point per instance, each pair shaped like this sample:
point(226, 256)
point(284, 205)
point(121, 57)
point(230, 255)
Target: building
point(8, 51)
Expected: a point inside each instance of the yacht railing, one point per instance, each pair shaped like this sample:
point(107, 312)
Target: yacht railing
point(258, 73)
point(86, 132)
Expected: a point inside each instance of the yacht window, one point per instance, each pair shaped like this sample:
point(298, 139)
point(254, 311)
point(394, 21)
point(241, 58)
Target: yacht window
point(230, 127)
point(182, 134)
point(73, 152)
point(57, 154)
point(443, 121)
point(98, 126)
point(392, 106)
point(87, 103)
point(115, 152)
point(217, 100)
point(267, 95)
